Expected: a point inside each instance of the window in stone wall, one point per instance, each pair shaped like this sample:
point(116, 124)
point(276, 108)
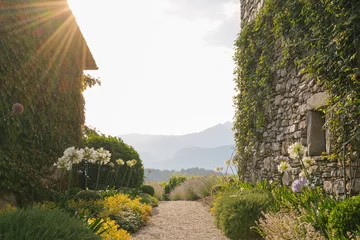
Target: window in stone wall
point(316, 140)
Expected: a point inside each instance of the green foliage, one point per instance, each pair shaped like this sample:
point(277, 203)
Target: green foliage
point(40, 223)
point(235, 213)
point(194, 188)
point(148, 199)
point(174, 181)
point(345, 217)
point(312, 204)
point(119, 150)
point(88, 195)
point(46, 77)
point(320, 38)
point(128, 220)
point(148, 189)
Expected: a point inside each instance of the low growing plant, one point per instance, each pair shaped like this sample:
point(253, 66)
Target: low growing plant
point(39, 223)
point(236, 213)
point(345, 218)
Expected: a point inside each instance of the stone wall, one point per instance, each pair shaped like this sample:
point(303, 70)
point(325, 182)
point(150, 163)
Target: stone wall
point(294, 117)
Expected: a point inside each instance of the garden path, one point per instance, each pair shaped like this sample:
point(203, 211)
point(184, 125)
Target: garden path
point(180, 220)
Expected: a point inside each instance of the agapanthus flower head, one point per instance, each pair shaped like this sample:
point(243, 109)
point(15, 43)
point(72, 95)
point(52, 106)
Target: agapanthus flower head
point(90, 155)
point(296, 150)
point(308, 161)
point(120, 162)
point(17, 109)
point(234, 162)
point(227, 162)
point(299, 184)
point(302, 174)
point(131, 163)
point(218, 169)
point(63, 162)
point(280, 159)
point(283, 167)
point(103, 156)
point(74, 155)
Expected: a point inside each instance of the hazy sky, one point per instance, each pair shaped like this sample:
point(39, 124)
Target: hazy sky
point(166, 65)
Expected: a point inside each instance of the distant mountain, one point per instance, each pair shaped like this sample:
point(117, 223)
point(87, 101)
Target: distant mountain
point(156, 175)
point(204, 149)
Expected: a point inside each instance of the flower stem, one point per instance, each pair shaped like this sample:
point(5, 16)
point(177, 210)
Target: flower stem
point(122, 181)
point(86, 175)
point(128, 182)
point(69, 184)
point(98, 176)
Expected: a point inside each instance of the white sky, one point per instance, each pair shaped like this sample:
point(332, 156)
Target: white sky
point(166, 65)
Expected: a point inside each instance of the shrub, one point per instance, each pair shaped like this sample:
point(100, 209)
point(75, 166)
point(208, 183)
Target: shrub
point(148, 199)
point(39, 223)
point(174, 181)
point(204, 186)
point(159, 190)
point(345, 217)
point(122, 203)
point(119, 150)
point(88, 195)
point(83, 208)
point(128, 220)
point(148, 189)
point(218, 188)
point(184, 192)
point(74, 191)
point(110, 230)
point(236, 213)
point(286, 225)
point(313, 204)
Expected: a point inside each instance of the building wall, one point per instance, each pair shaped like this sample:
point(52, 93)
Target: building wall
point(293, 117)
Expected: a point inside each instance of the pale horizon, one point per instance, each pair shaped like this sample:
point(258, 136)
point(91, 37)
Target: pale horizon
point(166, 66)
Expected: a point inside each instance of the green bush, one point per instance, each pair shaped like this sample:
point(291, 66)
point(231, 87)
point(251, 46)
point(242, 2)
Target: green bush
point(40, 224)
point(88, 195)
point(174, 181)
point(235, 214)
point(128, 220)
point(313, 204)
point(217, 189)
point(148, 189)
point(148, 199)
point(74, 191)
point(345, 217)
point(119, 150)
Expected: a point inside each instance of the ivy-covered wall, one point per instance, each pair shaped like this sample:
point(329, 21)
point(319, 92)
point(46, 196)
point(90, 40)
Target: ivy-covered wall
point(294, 57)
point(42, 58)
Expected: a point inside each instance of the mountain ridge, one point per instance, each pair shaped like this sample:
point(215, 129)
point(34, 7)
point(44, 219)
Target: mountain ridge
point(164, 150)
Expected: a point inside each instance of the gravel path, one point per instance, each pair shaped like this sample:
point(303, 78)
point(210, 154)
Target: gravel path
point(177, 220)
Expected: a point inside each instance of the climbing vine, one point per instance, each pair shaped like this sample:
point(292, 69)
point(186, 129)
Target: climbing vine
point(320, 37)
point(40, 67)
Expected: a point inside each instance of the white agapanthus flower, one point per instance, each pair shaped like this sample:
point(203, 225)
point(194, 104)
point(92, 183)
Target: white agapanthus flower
point(234, 162)
point(283, 167)
point(131, 163)
point(120, 162)
point(90, 155)
point(63, 162)
point(302, 174)
point(227, 162)
point(218, 169)
point(74, 155)
point(308, 161)
point(103, 156)
point(296, 150)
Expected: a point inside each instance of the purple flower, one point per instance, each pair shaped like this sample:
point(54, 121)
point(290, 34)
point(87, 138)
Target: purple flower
point(299, 184)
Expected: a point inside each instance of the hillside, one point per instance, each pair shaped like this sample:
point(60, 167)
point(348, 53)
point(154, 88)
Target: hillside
point(204, 149)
